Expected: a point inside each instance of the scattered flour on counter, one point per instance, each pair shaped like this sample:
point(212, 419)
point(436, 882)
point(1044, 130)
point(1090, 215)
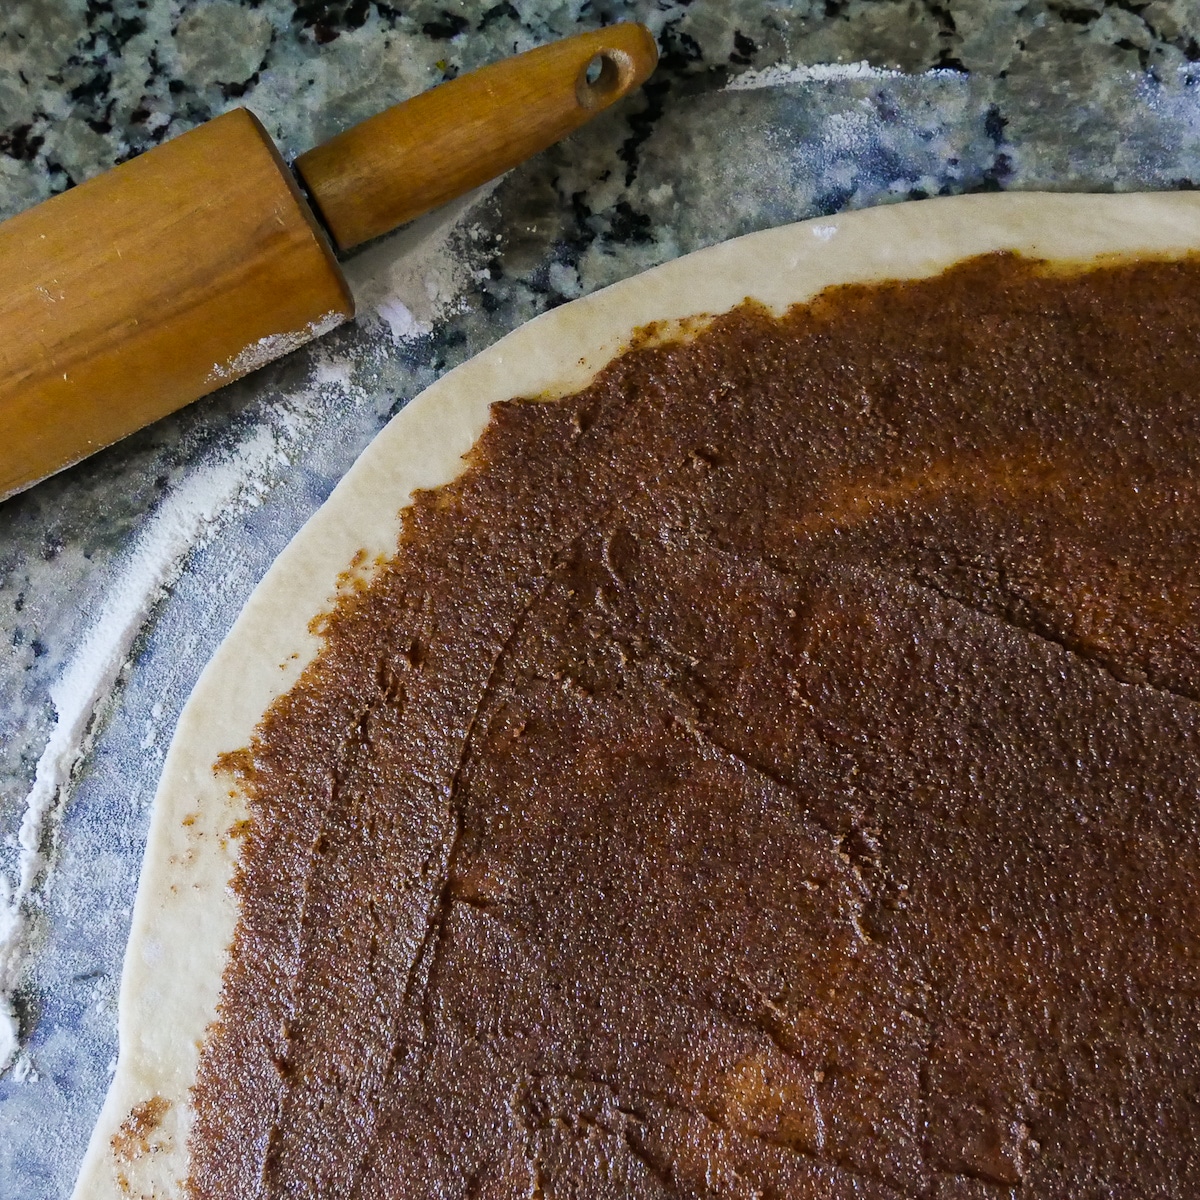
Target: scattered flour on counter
point(780, 75)
point(228, 483)
point(418, 276)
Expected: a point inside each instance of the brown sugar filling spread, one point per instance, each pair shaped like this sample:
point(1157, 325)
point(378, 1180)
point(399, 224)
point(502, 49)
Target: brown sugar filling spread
point(773, 771)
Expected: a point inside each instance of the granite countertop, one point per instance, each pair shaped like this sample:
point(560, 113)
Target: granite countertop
point(119, 577)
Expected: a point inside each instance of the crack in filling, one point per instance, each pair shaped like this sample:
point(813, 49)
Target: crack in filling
point(772, 771)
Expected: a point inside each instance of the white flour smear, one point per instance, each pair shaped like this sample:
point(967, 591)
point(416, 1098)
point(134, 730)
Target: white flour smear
point(228, 484)
point(415, 278)
point(780, 75)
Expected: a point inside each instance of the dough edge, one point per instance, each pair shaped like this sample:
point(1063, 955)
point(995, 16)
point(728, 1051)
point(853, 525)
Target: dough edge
point(185, 913)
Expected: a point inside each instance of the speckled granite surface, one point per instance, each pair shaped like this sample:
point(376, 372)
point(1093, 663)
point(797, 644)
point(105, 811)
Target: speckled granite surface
point(160, 539)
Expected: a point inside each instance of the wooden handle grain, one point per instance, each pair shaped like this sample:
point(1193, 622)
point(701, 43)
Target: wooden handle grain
point(424, 152)
point(150, 286)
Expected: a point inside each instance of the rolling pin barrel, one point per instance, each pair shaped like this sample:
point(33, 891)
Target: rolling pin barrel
point(149, 286)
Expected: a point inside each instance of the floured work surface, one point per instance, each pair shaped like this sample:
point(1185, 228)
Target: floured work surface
point(771, 770)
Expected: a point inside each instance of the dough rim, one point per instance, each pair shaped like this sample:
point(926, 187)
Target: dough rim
point(185, 913)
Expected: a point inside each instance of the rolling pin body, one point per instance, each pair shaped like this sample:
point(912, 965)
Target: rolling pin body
point(151, 285)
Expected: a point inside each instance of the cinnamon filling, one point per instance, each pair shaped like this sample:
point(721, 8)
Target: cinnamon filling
point(771, 771)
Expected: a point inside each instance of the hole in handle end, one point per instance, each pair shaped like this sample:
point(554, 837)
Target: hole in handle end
point(607, 76)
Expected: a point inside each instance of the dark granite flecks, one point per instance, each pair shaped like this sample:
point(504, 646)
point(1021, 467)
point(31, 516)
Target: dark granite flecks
point(1079, 94)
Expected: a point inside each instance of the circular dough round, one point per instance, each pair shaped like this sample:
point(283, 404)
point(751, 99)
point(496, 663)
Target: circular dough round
point(185, 914)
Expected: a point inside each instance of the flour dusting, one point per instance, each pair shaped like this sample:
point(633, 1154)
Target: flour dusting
point(417, 277)
point(781, 75)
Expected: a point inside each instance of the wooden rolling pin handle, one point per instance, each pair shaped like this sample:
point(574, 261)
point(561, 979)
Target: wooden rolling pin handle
point(417, 155)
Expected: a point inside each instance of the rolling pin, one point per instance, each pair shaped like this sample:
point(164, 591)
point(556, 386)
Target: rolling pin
point(161, 280)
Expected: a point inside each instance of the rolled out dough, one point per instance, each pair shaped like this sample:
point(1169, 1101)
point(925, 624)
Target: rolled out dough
point(185, 913)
